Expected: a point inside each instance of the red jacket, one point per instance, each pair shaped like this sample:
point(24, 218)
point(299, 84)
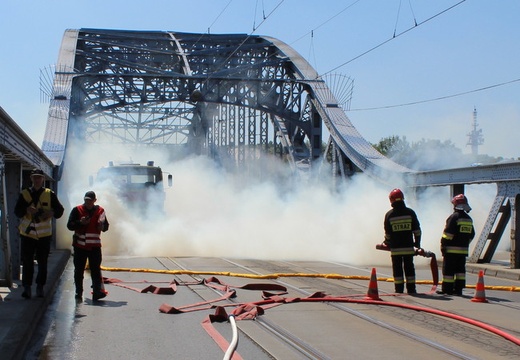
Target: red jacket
point(88, 236)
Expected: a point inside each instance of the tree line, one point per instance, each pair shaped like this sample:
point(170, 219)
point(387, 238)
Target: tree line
point(428, 154)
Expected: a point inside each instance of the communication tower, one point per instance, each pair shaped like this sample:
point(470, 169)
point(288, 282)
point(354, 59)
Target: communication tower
point(475, 136)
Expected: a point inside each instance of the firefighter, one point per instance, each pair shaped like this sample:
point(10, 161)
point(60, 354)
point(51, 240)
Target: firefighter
point(402, 234)
point(456, 237)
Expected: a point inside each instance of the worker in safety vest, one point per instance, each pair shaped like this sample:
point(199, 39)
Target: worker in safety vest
point(456, 237)
point(87, 221)
point(36, 206)
point(402, 234)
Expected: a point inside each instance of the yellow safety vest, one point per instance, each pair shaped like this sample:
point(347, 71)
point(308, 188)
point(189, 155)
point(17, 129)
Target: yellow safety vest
point(36, 229)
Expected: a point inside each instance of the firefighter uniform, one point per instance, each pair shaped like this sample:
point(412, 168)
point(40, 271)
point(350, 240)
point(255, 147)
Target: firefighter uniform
point(456, 237)
point(402, 234)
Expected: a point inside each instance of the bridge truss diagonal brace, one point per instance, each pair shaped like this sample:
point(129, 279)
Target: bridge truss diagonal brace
point(505, 206)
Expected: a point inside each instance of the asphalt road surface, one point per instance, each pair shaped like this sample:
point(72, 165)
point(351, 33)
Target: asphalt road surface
point(298, 323)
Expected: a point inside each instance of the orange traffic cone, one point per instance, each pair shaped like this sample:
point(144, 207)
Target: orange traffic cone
point(480, 293)
point(372, 293)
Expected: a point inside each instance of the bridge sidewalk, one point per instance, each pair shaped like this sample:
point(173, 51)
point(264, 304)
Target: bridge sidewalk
point(19, 317)
point(499, 267)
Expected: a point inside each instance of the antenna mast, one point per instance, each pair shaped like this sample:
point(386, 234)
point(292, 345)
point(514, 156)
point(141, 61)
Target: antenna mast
point(475, 136)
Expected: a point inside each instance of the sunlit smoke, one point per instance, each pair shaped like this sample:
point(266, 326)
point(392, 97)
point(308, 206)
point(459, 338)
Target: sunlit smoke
point(212, 213)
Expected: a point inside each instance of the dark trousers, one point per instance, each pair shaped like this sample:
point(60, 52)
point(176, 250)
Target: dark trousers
point(94, 258)
point(400, 263)
point(453, 273)
point(30, 248)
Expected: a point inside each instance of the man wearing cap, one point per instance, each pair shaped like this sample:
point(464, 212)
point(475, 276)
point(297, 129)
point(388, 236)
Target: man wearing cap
point(88, 221)
point(36, 206)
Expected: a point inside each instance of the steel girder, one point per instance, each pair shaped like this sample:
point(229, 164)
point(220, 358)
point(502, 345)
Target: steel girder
point(504, 208)
point(237, 96)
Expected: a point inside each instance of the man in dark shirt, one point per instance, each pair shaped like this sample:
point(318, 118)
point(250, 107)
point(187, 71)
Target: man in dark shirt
point(36, 206)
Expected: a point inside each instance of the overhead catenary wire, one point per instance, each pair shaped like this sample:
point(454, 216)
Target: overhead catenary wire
point(399, 13)
point(326, 21)
point(438, 98)
point(394, 37)
point(266, 16)
point(219, 15)
point(397, 17)
point(416, 24)
point(413, 13)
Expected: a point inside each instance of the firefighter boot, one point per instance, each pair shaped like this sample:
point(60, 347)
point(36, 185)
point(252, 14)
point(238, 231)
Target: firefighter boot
point(98, 292)
point(79, 293)
point(399, 288)
point(26, 291)
point(98, 295)
point(410, 289)
point(446, 289)
point(458, 286)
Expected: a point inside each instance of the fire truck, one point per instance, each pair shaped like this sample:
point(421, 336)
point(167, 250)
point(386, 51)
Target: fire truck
point(140, 185)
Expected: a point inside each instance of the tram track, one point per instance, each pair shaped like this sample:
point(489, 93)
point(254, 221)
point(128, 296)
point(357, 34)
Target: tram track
point(498, 302)
point(298, 346)
point(396, 320)
point(375, 321)
point(415, 300)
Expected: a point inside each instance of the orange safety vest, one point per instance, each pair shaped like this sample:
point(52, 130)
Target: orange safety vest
point(87, 236)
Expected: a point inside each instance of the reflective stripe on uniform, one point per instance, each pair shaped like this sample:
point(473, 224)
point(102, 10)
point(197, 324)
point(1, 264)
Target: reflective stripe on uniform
point(461, 250)
point(402, 251)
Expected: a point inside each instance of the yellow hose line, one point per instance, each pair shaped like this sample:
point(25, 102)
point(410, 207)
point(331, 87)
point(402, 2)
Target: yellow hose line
point(281, 275)
point(251, 276)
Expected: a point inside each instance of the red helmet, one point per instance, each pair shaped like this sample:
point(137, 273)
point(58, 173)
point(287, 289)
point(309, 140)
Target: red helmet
point(396, 195)
point(459, 199)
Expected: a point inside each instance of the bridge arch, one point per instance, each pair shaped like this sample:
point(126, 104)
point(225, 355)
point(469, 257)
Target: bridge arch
point(224, 95)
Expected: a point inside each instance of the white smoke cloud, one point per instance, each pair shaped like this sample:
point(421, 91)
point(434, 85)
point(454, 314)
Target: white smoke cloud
point(213, 213)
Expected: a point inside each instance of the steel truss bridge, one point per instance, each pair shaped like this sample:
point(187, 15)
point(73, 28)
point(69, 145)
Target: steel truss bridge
point(234, 97)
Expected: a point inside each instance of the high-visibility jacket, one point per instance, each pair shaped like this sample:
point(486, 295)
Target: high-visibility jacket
point(88, 236)
point(32, 225)
point(458, 233)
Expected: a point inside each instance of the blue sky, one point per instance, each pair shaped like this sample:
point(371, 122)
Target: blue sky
point(472, 46)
